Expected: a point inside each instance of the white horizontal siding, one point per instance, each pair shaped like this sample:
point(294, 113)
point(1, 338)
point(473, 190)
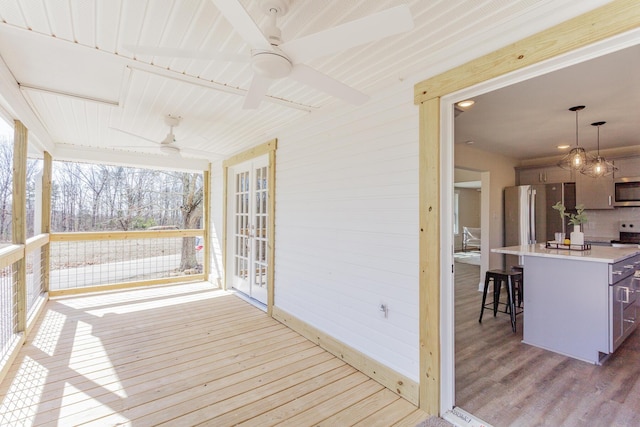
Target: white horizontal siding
point(347, 227)
point(216, 223)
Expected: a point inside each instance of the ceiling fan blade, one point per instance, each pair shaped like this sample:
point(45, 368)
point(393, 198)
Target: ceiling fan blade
point(134, 135)
point(238, 17)
point(185, 53)
point(132, 147)
point(351, 34)
point(257, 91)
point(316, 79)
point(202, 153)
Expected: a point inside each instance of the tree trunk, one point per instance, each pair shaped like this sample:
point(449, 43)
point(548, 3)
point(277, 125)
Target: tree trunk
point(191, 202)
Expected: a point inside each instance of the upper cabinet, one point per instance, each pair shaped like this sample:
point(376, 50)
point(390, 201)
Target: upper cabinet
point(629, 166)
point(594, 193)
point(543, 175)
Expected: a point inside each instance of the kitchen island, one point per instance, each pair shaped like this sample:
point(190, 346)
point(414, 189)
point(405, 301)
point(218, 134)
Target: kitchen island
point(580, 304)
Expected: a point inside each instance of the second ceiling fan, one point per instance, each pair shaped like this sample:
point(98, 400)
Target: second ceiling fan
point(271, 59)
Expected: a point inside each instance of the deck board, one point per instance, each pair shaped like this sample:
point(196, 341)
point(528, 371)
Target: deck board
point(183, 355)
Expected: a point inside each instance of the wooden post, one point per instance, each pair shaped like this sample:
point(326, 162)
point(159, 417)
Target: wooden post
point(45, 221)
point(271, 209)
point(224, 229)
point(206, 209)
point(19, 219)
point(429, 244)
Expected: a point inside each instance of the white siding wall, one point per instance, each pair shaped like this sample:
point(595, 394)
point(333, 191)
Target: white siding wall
point(347, 227)
point(217, 228)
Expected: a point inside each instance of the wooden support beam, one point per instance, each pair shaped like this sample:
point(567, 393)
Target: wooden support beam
point(271, 229)
point(429, 200)
point(19, 219)
point(45, 221)
point(224, 227)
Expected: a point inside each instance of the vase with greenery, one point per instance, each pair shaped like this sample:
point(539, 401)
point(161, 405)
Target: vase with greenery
point(575, 219)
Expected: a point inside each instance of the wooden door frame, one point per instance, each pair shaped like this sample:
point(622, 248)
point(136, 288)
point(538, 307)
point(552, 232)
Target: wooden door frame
point(612, 19)
point(268, 148)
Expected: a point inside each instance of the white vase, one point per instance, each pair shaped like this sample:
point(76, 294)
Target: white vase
point(577, 236)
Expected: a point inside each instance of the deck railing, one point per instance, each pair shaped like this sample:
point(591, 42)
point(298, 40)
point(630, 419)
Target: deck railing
point(16, 298)
point(8, 297)
point(83, 262)
point(36, 270)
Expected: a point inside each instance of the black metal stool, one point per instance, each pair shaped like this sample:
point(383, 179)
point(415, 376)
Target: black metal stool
point(512, 280)
point(520, 287)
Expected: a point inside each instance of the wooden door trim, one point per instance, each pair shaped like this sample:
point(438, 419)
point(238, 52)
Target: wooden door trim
point(269, 149)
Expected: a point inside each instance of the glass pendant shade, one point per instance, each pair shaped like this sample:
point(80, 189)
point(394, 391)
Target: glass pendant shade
point(597, 165)
point(576, 159)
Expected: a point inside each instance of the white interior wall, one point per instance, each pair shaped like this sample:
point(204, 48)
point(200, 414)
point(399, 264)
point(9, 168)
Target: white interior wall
point(347, 227)
point(502, 174)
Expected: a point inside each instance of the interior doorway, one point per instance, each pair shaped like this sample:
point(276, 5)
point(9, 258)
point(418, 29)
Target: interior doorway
point(512, 359)
point(467, 227)
point(471, 219)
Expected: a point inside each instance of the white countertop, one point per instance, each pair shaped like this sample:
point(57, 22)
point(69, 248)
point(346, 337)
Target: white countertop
point(603, 254)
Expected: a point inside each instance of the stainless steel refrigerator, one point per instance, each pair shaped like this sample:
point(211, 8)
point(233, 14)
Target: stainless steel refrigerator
point(529, 216)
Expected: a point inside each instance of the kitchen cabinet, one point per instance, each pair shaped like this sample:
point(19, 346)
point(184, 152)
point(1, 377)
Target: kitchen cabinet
point(544, 174)
point(594, 193)
point(629, 166)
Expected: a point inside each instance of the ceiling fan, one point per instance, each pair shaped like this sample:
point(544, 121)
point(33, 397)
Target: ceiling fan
point(168, 145)
point(271, 59)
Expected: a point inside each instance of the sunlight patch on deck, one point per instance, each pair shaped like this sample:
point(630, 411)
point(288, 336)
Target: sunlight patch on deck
point(49, 332)
point(20, 405)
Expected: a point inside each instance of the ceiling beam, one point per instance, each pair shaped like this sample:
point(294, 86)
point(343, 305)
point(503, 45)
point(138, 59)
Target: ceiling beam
point(69, 152)
point(16, 107)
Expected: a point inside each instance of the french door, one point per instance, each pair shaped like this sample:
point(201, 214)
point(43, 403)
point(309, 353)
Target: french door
point(248, 221)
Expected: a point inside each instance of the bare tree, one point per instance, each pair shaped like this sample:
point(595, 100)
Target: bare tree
point(90, 197)
point(192, 196)
point(6, 190)
point(95, 177)
point(6, 180)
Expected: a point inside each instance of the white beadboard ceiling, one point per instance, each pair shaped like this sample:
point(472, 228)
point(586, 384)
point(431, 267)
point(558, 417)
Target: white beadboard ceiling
point(87, 90)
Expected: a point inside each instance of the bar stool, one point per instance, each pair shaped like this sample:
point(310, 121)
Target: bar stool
point(512, 280)
point(520, 287)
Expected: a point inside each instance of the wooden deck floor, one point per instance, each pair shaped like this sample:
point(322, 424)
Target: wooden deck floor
point(508, 383)
point(184, 355)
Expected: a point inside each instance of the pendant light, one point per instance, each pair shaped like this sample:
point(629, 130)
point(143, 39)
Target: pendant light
point(597, 166)
point(576, 159)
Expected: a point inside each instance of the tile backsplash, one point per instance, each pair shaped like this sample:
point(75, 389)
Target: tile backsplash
point(603, 224)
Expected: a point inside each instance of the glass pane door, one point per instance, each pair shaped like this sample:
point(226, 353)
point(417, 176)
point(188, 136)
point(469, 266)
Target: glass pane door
point(249, 221)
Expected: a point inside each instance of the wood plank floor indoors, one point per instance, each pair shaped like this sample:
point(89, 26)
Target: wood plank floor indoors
point(184, 355)
point(507, 383)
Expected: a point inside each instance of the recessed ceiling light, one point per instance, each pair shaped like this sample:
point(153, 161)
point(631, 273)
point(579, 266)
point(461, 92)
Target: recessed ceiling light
point(467, 103)
point(563, 147)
